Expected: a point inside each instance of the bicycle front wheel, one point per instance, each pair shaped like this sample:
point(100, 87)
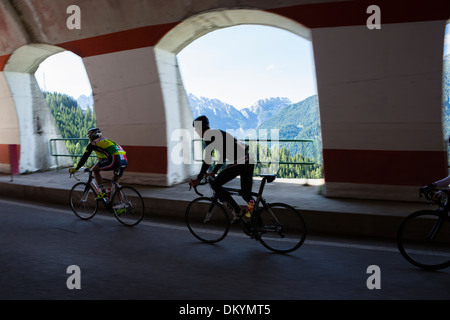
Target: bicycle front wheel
point(128, 206)
point(423, 239)
point(82, 201)
point(207, 220)
point(279, 227)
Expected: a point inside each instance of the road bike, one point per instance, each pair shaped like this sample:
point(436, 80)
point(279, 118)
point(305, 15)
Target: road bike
point(277, 226)
point(125, 202)
point(423, 237)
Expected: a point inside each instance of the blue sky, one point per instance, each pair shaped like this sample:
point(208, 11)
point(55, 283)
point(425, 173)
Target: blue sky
point(64, 73)
point(447, 40)
point(238, 65)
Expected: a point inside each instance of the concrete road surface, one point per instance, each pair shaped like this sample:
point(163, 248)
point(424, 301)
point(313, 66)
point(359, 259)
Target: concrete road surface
point(161, 260)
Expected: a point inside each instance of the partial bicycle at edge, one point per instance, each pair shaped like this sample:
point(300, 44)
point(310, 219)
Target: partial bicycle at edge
point(423, 237)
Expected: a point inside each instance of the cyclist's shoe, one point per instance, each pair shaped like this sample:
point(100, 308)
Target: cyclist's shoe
point(100, 195)
point(120, 211)
point(237, 217)
point(72, 170)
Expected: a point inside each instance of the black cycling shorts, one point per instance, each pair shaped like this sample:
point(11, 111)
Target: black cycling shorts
point(117, 163)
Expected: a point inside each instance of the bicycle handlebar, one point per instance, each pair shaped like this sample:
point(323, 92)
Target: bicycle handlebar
point(86, 169)
point(430, 192)
point(195, 187)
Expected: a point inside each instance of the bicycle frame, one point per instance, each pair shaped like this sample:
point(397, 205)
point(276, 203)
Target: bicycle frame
point(91, 181)
point(259, 200)
point(443, 211)
point(443, 215)
point(277, 226)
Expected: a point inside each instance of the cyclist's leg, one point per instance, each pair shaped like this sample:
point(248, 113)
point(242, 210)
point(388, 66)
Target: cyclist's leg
point(247, 181)
point(226, 175)
point(96, 171)
point(121, 164)
point(102, 165)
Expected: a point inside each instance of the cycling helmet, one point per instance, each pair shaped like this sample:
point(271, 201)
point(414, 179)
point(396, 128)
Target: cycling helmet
point(94, 133)
point(204, 120)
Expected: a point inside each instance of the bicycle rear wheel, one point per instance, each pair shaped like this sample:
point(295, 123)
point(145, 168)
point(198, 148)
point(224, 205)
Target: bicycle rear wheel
point(207, 220)
point(82, 201)
point(423, 239)
point(128, 206)
point(279, 227)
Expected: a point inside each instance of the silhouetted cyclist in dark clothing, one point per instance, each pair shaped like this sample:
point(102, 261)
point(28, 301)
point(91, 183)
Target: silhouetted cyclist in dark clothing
point(239, 163)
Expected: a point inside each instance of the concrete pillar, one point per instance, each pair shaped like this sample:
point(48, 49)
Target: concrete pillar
point(178, 118)
point(9, 125)
point(381, 108)
point(31, 124)
point(130, 110)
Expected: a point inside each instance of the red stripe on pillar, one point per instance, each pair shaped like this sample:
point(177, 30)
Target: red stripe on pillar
point(384, 167)
point(3, 60)
point(147, 159)
point(352, 13)
point(4, 154)
point(10, 155)
point(119, 41)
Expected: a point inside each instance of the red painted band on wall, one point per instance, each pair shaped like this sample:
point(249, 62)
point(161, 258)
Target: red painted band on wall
point(384, 167)
point(353, 13)
point(140, 159)
point(4, 154)
point(3, 60)
point(147, 159)
point(119, 41)
point(10, 155)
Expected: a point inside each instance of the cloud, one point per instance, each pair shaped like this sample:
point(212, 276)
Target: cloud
point(269, 67)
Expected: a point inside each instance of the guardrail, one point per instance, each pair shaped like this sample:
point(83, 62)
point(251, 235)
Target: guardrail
point(54, 149)
point(267, 141)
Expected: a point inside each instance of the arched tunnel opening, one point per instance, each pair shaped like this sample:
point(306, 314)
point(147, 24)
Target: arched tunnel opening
point(251, 79)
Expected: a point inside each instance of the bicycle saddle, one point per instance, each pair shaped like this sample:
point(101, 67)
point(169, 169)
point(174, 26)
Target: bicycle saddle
point(269, 177)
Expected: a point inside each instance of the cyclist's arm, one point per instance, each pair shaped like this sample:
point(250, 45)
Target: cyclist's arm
point(205, 164)
point(442, 183)
point(217, 167)
point(85, 156)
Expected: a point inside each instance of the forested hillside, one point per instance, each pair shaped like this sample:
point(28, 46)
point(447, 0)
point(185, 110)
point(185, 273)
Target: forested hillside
point(299, 121)
point(71, 120)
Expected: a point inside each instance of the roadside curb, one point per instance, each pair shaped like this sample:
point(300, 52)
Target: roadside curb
point(317, 221)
